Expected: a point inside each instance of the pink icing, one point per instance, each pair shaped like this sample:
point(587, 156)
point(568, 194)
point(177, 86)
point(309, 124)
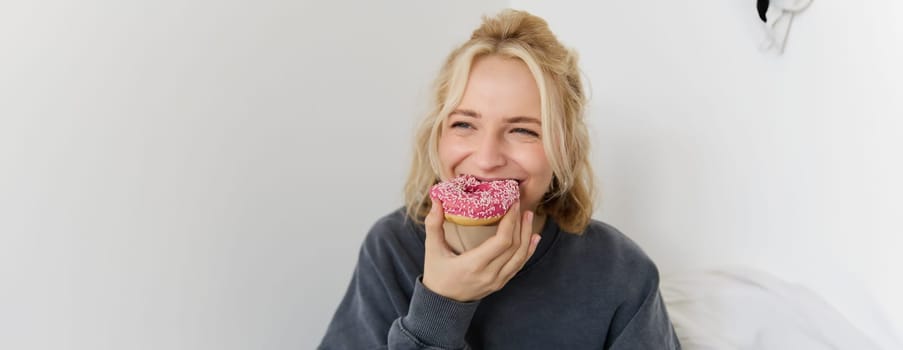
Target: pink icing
point(466, 196)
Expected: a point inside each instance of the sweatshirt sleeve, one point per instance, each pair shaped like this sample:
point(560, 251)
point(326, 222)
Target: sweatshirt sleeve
point(649, 327)
point(387, 307)
point(433, 322)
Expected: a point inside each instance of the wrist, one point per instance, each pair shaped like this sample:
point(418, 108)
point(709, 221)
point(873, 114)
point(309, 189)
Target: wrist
point(436, 319)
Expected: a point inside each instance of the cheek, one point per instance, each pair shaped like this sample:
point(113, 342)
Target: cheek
point(537, 166)
point(446, 150)
point(450, 153)
point(535, 162)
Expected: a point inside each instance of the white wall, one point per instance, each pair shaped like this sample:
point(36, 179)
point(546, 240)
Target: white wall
point(712, 153)
point(188, 174)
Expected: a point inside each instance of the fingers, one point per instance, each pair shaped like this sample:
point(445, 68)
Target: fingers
point(517, 238)
point(529, 241)
point(483, 269)
point(534, 242)
point(435, 233)
point(496, 245)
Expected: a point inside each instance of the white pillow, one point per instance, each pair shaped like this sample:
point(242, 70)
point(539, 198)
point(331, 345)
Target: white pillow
point(744, 309)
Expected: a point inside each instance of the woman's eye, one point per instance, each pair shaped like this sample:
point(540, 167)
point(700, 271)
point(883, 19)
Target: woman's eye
point(525, 132)
point(462, 125)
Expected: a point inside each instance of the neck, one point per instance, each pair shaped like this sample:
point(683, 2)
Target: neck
point(539, 220)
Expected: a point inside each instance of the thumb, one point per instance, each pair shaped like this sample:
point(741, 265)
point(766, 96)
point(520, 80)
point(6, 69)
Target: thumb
point(435, 233)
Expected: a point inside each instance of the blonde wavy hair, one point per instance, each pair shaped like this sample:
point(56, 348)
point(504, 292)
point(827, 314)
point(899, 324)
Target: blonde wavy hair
point(519, 35)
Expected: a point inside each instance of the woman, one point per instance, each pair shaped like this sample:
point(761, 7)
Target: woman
point(508, 105)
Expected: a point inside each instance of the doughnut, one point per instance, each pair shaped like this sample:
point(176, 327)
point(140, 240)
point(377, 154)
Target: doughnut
point(468, 201)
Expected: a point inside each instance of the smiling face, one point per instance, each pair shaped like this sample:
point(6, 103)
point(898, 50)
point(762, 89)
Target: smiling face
point(495, 132)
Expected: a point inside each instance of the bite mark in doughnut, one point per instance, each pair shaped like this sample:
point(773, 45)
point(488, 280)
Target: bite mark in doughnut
point(468, 201)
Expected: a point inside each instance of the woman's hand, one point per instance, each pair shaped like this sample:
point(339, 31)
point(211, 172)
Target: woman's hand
point(483, 270)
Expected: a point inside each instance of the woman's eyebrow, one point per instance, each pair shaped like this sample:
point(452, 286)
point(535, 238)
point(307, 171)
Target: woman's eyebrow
point(522, 119)
point(466, 112)
point(511, 120)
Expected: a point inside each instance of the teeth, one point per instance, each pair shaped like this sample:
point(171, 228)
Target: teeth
point(481, 180)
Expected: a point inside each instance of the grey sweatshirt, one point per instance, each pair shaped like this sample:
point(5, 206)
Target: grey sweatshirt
point(592, 291)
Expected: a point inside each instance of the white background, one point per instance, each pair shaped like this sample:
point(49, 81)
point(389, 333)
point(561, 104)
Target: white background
point(198, 174)
point(714, 154)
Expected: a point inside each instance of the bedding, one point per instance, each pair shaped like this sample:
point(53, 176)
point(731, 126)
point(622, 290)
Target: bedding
point(745, 309)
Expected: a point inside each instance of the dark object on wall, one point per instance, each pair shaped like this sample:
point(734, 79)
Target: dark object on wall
point(762, 6)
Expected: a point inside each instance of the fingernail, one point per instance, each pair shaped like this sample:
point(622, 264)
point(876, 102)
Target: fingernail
point(536, 239)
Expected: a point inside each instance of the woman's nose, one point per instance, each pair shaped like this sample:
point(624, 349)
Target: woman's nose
point(489, 154)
